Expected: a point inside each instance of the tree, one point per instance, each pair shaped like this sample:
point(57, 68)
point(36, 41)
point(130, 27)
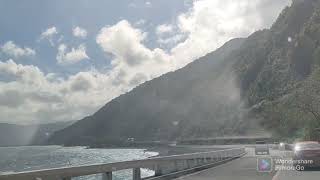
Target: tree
point(307, 99)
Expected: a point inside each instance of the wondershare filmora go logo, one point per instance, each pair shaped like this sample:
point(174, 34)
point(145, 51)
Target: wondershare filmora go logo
point(264, 164)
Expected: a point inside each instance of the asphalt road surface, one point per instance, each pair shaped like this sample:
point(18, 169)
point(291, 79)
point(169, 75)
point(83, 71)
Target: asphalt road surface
point(245, 168)
point(310, 174)
point(297, 175)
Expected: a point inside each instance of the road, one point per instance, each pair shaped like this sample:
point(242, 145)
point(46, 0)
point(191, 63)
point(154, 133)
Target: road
point(297, 175)
point(245, 168)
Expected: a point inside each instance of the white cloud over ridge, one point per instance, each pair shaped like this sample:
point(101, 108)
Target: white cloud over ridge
point(200, 30)
point(14, 51)
point(79, 32)
point(73, 56)
point(211, 23)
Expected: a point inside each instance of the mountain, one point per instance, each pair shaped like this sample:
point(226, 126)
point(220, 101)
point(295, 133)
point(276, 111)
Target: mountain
point(22, 135)
point(239, 89)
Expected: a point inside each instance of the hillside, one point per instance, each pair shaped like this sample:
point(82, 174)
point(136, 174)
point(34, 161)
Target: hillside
point(243, 88)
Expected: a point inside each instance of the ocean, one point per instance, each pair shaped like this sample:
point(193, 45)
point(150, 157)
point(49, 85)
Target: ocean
point(26, 158)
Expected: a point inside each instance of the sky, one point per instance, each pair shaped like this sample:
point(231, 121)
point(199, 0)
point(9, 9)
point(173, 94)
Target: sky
point(63, 60)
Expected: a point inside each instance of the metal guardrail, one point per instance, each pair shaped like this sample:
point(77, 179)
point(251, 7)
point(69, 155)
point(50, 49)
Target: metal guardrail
point(161, 166)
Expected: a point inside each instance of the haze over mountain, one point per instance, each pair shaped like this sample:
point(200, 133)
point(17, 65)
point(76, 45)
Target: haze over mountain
point(23, 135)
point(231, 91)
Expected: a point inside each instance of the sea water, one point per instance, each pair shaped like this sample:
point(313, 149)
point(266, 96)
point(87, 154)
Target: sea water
point(27, 158)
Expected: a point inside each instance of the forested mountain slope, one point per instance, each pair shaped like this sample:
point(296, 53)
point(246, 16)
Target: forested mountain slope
point(243, 87)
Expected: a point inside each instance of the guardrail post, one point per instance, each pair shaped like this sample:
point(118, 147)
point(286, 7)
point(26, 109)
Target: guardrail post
point(220, 156)
point(188, 164)
point(197, 162)
point(194, 163)
point(157, 170)
point(202, 161)
point(136, 174)
point(181, 165)
point(107, 176)
point(176, 166)
point(205, 160)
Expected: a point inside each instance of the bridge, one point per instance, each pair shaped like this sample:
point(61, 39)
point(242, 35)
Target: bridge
point(237, 162)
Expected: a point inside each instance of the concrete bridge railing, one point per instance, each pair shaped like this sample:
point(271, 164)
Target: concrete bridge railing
point(165, 167)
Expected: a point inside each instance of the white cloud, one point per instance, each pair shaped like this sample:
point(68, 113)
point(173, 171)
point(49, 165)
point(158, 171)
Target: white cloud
point(148, 4)
point(28, 74)
point(79, 32)
point(13, 50)
point(163, 29)
point(210, 23)
point(140, 22)
point(29, 95)
point(73, 56)
point(131, 57)
point(49, 34)
point(172, 40)
point(123, 41)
